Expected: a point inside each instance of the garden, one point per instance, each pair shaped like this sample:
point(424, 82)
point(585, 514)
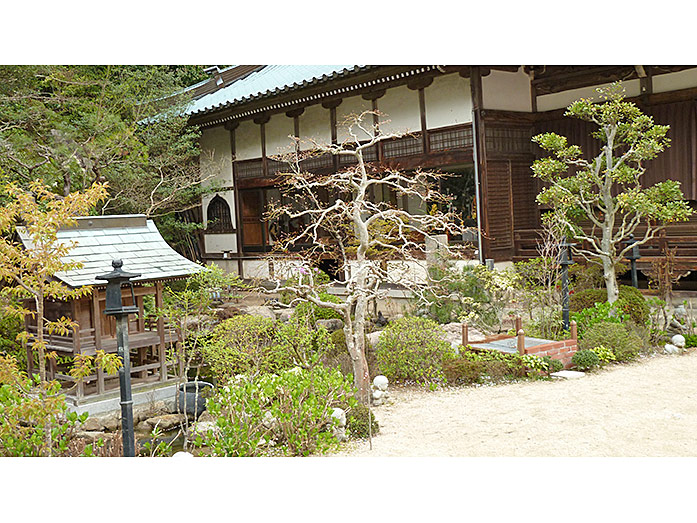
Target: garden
point(297, 365)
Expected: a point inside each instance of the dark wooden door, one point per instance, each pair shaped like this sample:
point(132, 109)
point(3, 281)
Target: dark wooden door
point(252, 211)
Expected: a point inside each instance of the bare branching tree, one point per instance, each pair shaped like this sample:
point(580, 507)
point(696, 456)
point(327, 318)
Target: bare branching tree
point(336, 216)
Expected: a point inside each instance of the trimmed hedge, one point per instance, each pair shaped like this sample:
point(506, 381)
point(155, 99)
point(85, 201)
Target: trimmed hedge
point(624, 342)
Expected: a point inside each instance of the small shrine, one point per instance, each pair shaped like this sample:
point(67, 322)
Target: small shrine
point(98, 240)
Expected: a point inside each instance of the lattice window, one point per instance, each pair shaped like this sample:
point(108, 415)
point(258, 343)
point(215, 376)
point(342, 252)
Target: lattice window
point(249, 169)
point(275, 167)
point(218, 214)
point(446, 139)
point(369, 155)
point(317, 162)
point(511, 140)
point(406, 146)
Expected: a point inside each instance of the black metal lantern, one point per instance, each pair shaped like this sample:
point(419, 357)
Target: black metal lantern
point(566, 259)
point(114, 307)
point(633, 256)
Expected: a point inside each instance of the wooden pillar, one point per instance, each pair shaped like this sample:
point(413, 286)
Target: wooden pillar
point(231, 126)
point(97, 323)
point(480, 140)
point(518, 323)
point(28, 349)
point(162, 357)
point(465, 335)
point(574, 330)
point(521, 342)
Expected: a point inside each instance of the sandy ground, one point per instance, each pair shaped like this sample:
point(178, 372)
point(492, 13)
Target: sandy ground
point(644, 409)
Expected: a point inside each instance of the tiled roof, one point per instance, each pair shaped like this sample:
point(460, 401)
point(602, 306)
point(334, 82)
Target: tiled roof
point(270, 80)
point(131, 238)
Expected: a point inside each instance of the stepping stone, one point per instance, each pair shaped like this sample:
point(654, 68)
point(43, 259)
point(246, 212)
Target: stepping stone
point(568, 374)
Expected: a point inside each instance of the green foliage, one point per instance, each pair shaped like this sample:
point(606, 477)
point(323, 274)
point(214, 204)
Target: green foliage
point(553, 365)
point(357, 421)
point(480, 366)
point(605, 355)
point(608, 190)
point(299, 344)
point(241, 344)
point(461, 371)
point(34, 421)
point(313, 312)
point(630, 302)
point(586, 276)
point(10, 327)
point(585, 360)
point(624, 342)
point(690, 340)
point(600, 312)
point(285, 414)
point(412, 349)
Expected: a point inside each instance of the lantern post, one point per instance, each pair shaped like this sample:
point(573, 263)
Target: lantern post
point(633, 256)
point(114, 307)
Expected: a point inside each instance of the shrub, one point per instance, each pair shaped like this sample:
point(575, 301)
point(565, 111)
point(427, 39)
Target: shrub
point(459, 371)
point(285, 414)
point(585, 359)
point(630, 301)
point(412, 348)
point(690, 340)
point(605, 355)
point(600, 312)
point(338, 355)
point(621, 339)
point(10, 327)
point(241, 344)
point(314, 312)
point(34, 422)
point(297, 343)
point(357, 421)
point(553, 365)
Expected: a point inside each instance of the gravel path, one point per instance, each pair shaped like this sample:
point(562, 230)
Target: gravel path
point(647, 408)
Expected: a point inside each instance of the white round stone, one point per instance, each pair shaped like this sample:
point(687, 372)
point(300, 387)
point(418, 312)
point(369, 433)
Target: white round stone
point(340, 415)
point(380, 382)
point(678, 340)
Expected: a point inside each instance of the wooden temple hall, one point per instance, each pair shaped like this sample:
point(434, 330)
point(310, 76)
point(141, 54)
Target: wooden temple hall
point(97, 241)
point(475, 122)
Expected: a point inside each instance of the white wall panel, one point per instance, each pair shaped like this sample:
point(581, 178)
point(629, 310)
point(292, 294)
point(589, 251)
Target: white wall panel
point(218, 243)
point(448, 101)
point(400, 110)
point(561, 100)
point(315, 123)
point(247, 140)
point(675, 81)
point(228, 196)
point(277, 132)
point(216, 159)
point(506, 91)
point(354, 105)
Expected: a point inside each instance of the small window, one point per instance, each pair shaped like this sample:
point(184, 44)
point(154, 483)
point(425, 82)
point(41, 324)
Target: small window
point(218, 215)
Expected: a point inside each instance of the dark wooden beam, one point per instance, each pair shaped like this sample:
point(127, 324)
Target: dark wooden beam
point(420, 83)
point(374, 95)
point(332, 104)
point(238, 212)
point(294, 113)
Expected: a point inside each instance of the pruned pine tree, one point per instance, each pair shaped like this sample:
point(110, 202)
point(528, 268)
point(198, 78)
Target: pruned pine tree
point(607, 192)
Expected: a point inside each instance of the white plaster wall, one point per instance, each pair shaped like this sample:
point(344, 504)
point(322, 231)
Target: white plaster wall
point(228, 196)
point(256, 269)
point(229, 266)
point(410, 271)
point(277, 132)
point(561, 100)
point(400, 110)
point(285, 268)
point(354, 105)
point(247, 140)
point(315, 123)
point(675, 81)
point(448, 101)
point(216, 157)
point(507, 91)
point(218, 243)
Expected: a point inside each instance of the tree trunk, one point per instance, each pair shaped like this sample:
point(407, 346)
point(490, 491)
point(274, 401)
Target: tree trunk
point(39, 300)
point(354, 332)
point(610, 280)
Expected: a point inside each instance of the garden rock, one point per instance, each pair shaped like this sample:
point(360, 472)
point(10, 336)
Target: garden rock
point(206, 417)
point(90, 436)
point(678, 340)
point(339, 428)
point(284, 314)
point(372, 338)
point(92, 425)
point(111, 421)
point(333, 324)
point(669, 348)
point(260, 310)
point(165, 421)
point(568, 374)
